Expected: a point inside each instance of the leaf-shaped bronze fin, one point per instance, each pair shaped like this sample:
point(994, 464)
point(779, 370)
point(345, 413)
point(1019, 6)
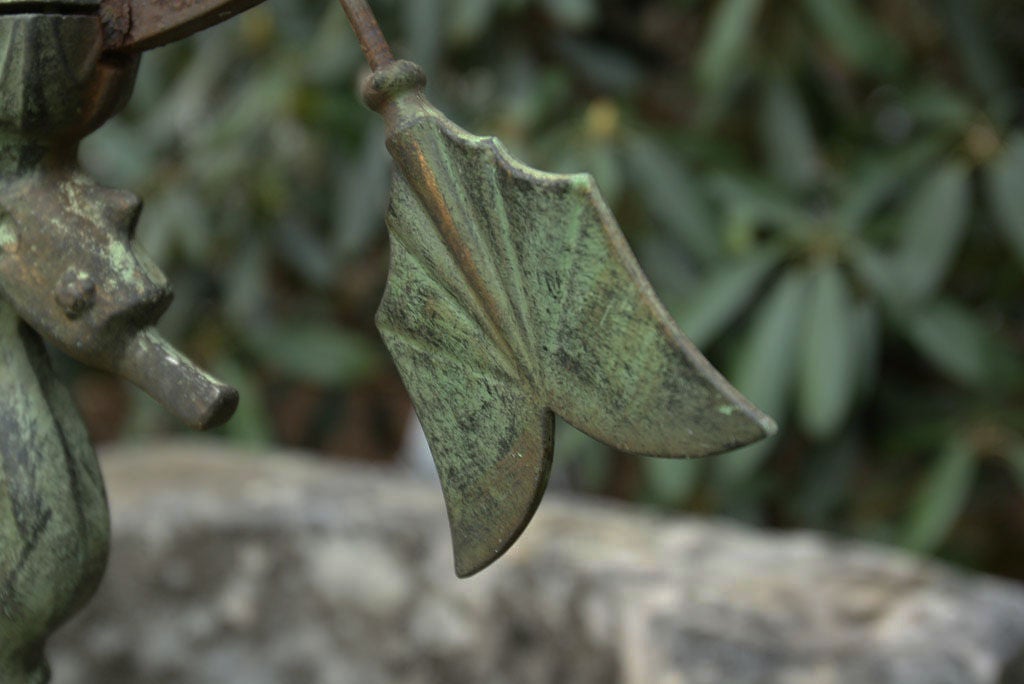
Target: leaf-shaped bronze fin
point(513, 296)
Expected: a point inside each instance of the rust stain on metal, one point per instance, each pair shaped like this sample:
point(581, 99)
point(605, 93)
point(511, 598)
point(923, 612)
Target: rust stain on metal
point(371, 38)
point(116, 16)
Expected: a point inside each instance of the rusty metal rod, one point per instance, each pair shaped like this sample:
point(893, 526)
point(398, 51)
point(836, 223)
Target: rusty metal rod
point(371, 38)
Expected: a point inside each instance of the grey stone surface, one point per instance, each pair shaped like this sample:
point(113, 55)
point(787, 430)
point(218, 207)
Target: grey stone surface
point(231, 567)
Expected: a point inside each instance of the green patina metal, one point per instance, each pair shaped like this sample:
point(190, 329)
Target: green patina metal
point(70, 274)
point(54, 528)
point(513, 297)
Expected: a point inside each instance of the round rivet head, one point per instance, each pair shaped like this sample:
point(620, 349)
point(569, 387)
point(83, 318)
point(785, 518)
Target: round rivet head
point(390, 82)
point(75, 293)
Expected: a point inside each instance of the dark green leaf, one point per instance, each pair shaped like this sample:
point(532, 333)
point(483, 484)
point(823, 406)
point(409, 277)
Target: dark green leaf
point(766, 205)
point(973, 39)
point(940, 497)
point(468, 19)
point(118, 155)
point(326, 58)
point(145, 416)
point(715, 303)
point(672, 195)
point(787, 135)
point(867, 333)
point(935, 104)
point(305, 251)
point(248, 279)
point(314, 352)
point(953, 340)
point(423, 26)
point(185, 99)
point(828, 382)
point(827, 482)
point(361, 198)
point(1005, 181)
point(932, 229)
point(670, 482)
point(176, 222)
point(852, 34)
point(602, 161)
point(728, 40)
point(589, 460)
point(875, 270)
point(604, 66)
point(1015, 456)
point(670, 270)
point(765, 369)
point(252, 104)
point(252, 423)
point(573, 14)
point(880, 178)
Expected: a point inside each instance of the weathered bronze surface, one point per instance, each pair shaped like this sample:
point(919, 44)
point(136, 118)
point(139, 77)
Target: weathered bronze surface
point(70, 273)
point(134, 25)
point(68, 264)
point(54, 527)
point(512, 297)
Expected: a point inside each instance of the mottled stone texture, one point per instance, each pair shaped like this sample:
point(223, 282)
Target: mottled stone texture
point(232, 567)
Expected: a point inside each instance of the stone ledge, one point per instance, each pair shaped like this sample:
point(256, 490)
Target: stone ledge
point(230, 566)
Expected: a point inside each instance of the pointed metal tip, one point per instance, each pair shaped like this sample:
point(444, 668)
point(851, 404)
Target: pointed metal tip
point(753, 425)
point(768, 424)
point(470, 561)
point(465, 570)
point(476, 552)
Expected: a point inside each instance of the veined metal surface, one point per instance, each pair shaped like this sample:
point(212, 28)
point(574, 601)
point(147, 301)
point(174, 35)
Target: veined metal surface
point(514, 297)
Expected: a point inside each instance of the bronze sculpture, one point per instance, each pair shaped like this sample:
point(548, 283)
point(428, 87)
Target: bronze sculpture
point(512, 296)
point(70, 275)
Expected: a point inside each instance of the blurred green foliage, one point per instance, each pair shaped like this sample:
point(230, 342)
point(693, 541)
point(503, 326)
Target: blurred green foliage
point(828, 194)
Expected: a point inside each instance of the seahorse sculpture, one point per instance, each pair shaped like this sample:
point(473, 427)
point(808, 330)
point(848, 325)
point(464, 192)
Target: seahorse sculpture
point(70, 275)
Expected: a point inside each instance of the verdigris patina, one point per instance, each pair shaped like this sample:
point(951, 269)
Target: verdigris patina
point(70, 274)
point(512, 297)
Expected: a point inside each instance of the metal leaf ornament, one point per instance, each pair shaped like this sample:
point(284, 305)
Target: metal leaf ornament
point(512, 297)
